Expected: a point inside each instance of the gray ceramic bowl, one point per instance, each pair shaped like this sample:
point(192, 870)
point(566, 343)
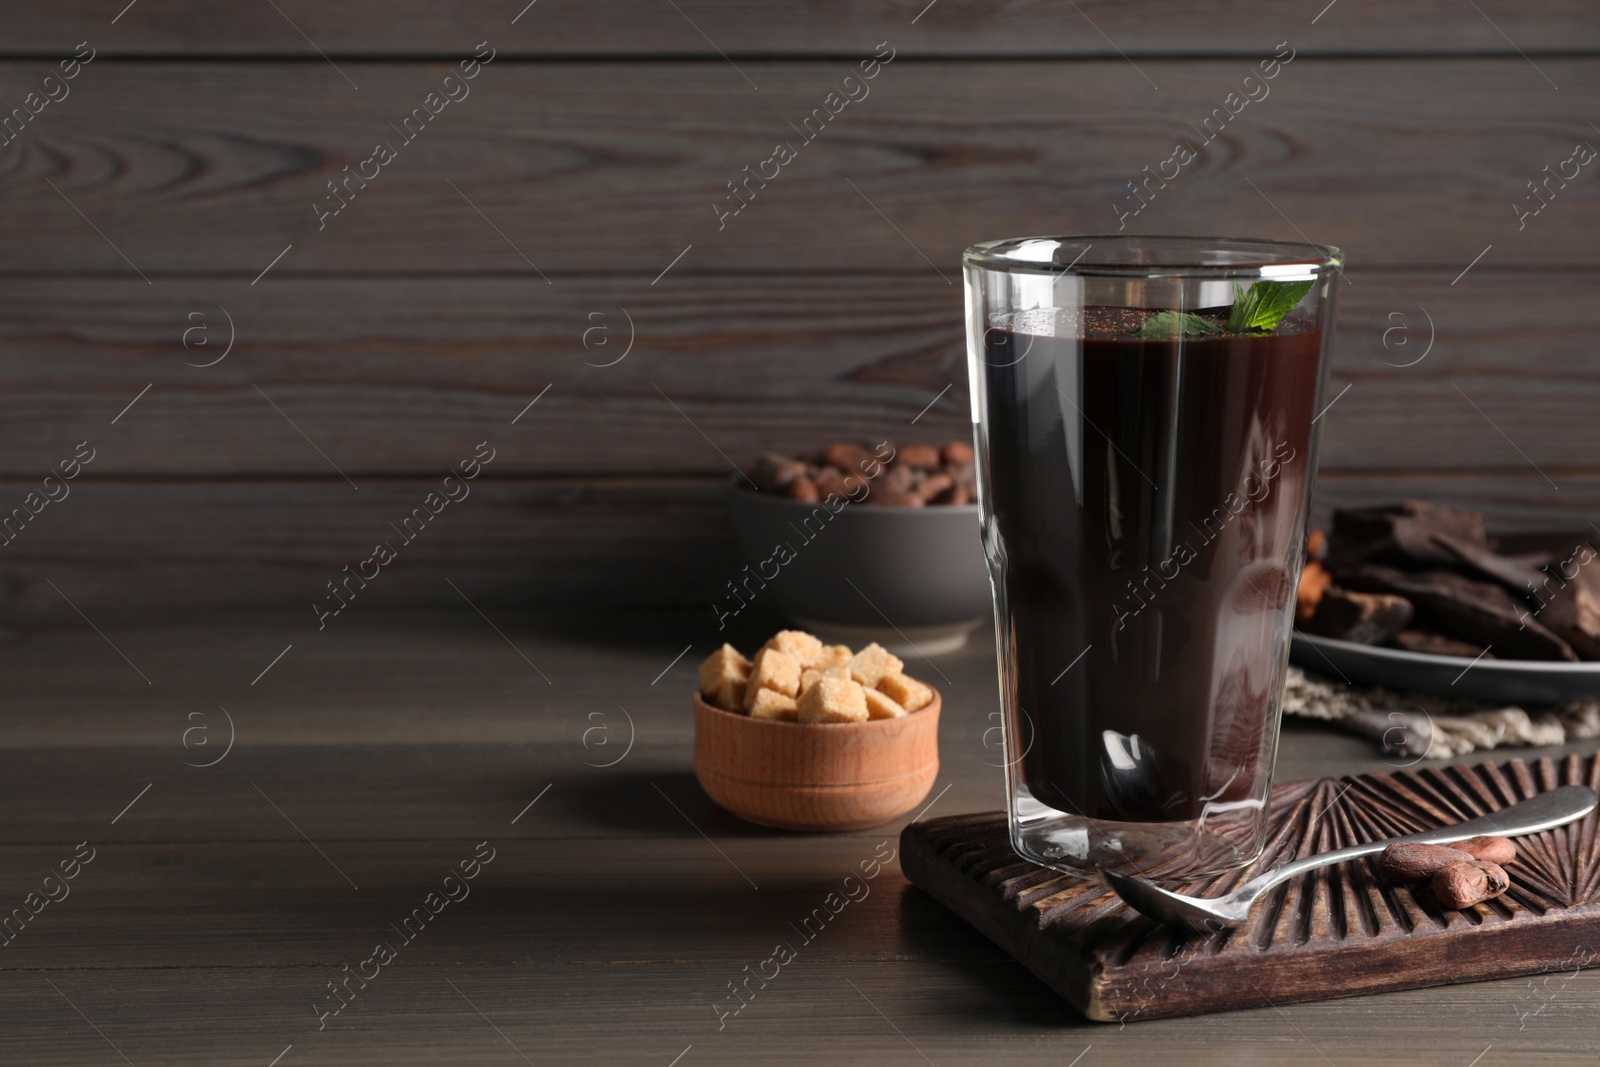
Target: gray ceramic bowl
point(912, 579)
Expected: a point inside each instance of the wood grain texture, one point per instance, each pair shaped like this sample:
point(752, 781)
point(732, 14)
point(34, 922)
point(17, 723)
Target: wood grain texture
point(390, 375)
point(522, 541)
point(618, 167)
point(207, 925)
point(748, 27)
point(1336, 931)
point(281, 541)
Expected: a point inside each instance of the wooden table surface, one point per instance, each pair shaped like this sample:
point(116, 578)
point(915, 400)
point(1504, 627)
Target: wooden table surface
point(373, 757)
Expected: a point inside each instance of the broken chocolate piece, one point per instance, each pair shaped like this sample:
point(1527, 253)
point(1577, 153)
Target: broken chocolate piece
point(1437, 645)
point(1366, 618)
point(1516, 573)
point(1402, 534)
point(1464, 608)
point(1569, 601)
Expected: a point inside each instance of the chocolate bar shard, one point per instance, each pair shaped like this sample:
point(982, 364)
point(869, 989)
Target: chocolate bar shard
point(1520, 574)
point(1437, 645)
point(1403, 534)
point(1465, 608)
point(1366, 618)
point(1569, 601)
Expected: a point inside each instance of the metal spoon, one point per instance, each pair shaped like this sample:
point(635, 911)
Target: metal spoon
point(1208, 914)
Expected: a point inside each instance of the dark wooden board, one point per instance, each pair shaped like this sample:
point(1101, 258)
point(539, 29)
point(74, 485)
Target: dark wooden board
point(616, 167)
point(745, 27)
point(386, 375)
point(1338, 931)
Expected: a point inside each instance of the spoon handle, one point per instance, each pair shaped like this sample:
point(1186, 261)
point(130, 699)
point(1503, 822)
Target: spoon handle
point(1543, 812)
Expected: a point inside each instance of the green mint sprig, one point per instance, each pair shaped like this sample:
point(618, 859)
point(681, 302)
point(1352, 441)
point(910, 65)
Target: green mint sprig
point(1166, 325)
point(1256, 310)
point(1260, 308)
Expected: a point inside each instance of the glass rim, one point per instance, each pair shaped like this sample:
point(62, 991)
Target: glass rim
point(1278, 258)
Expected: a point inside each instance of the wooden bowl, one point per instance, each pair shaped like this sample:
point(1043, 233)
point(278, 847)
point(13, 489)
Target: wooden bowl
point(816, 776)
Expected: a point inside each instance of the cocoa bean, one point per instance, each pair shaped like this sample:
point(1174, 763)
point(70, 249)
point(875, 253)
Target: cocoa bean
point(920, 457)
point(846, 455)
point(958, 452)
point(804, 490)
point(1410, 862)
point(1499, 880)
point(830, 481)
point(933, 485)
point(1492, 849)
point(898, 479)
point(1461, 885)
point(773, 471)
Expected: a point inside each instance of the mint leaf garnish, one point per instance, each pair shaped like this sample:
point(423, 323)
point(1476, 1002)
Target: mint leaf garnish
point(1260, 308)
point(1165, 325)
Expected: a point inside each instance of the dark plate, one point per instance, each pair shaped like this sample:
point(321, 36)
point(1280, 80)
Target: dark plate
point(1498, 680)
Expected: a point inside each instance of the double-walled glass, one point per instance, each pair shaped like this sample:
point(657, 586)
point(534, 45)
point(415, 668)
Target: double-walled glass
point(1145, 461)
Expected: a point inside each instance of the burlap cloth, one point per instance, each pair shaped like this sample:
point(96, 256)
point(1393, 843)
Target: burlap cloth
point(1435, 727)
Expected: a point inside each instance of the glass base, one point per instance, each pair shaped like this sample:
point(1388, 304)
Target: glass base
point(1220, 841)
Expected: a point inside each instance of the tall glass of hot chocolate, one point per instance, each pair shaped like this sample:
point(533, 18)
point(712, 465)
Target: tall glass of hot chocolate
point(1145, 412)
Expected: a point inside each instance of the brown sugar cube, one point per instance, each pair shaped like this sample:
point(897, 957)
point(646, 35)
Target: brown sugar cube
point(905, 691)
point(833, 700)
point(880, 706)
point(833, 656)
point(729, 696)
point(810, 676)
point(771, 704)
point(798, 645)
point(723, 676)
point(872, 663)
point(726, 662)
point(772, 670)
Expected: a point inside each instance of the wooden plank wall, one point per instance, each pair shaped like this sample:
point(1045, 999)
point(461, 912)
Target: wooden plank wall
point(166, 201)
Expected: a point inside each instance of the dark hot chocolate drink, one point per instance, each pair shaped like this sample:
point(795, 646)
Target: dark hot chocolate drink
point(1145, 502)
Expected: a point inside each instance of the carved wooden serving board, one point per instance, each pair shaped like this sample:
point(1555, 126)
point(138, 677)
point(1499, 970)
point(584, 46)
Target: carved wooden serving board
point(1336, 932)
